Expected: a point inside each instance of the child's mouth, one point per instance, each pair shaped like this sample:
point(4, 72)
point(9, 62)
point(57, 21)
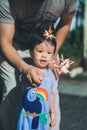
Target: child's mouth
point(43, 61)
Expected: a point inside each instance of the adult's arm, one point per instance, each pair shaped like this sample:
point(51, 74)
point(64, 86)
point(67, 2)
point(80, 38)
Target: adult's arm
point(63, 27)
point(63, 30)
point(6, 37)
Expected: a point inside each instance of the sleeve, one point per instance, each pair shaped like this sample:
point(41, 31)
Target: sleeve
point(5, 12)
point(71, 6)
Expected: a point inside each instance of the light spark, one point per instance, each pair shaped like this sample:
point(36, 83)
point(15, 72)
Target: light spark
point(64, 65)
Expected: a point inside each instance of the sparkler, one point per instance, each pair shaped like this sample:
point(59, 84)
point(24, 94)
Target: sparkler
point(64, 65)
point(49, 34)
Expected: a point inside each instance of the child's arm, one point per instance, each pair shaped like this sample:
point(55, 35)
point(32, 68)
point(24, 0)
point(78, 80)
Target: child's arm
point(52, 109)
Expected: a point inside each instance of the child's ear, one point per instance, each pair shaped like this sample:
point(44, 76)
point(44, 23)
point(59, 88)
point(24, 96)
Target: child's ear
point(31, 53)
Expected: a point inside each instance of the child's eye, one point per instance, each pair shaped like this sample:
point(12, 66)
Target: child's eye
point(49, 52)
point(39, 51)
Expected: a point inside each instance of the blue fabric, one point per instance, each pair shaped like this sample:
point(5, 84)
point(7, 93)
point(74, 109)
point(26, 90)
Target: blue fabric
point(36, 104)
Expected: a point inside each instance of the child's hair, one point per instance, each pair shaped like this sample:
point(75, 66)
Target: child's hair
point(41, 36)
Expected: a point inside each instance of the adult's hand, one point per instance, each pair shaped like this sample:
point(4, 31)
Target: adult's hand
point(33, 77)
point(53, 66)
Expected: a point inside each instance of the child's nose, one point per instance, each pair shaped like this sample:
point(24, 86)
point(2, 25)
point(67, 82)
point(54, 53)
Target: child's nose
point(44, 54)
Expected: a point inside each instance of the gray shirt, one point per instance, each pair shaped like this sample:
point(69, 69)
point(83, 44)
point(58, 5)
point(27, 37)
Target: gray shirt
point(29, 14)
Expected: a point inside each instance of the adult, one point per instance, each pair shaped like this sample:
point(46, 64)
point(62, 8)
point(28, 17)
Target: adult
point(18, 21)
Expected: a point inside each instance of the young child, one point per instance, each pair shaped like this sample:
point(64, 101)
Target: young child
point(38, 102)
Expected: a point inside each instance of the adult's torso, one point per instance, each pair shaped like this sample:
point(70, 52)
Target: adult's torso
point(29, 14)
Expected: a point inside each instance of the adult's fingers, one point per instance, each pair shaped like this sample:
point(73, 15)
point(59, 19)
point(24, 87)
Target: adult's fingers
point(53, 65)
point(56, 73)
point(35, 76)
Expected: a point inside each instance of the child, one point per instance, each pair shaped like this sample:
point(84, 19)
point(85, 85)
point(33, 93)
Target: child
point(39, 102)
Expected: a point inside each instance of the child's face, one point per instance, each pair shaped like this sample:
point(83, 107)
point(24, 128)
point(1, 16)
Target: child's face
point(42, 54)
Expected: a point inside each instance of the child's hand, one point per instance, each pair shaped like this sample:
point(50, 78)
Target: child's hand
point(53, 119)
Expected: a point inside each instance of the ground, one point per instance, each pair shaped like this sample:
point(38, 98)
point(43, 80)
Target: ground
point(73, 112)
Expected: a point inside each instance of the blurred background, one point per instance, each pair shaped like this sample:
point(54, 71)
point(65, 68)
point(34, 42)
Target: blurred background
point(73, 86)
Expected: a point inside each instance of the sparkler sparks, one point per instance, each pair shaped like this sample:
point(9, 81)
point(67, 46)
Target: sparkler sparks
point(64, 65)
point(49, 34)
